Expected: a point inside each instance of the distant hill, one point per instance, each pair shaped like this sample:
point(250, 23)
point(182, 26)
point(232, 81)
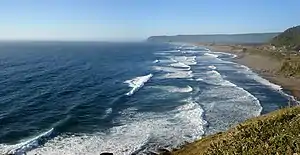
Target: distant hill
point(290, 39)
point(219, 38)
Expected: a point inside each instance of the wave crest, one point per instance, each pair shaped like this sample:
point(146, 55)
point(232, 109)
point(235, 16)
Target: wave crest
point(23, 147)
point(136, 83)
point(211, 55)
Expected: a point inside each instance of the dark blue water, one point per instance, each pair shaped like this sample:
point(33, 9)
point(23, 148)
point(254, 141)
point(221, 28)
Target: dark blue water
point(91, 97)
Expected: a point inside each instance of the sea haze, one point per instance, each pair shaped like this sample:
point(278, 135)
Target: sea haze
point(124, 98)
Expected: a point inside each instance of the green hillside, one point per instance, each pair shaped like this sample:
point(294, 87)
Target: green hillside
point(274, 133)
point(290, 39)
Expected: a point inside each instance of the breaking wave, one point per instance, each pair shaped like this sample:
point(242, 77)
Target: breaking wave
point(172, 72)
point(141, 133)
point(174, 89)
point(178, 75)
point(188, 60)
point(268, 83)
point(136, 83)
point(180, 64)
point(211, 55)
point(135, 130)
point(212, 67)
point(156, 61)
point(25, 146)
point(215, 78)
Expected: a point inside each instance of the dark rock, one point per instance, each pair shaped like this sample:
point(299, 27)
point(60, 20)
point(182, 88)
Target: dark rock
point(106, 153)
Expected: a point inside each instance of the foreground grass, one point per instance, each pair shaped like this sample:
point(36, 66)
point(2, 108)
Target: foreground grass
point(274, 133)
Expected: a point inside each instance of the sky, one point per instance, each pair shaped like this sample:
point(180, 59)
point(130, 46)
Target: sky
point(138, 19)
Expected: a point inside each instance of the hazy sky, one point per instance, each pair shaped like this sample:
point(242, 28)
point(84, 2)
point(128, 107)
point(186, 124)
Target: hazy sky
point(138, 19)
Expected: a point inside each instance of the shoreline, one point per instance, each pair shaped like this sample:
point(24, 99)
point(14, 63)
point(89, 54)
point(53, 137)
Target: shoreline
point(263, 65)
point(235, 137)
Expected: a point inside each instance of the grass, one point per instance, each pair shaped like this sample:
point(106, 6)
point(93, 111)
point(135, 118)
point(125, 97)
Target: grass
point(291, 66)
point(289, 39)
point(290, 60)
point(274, 133)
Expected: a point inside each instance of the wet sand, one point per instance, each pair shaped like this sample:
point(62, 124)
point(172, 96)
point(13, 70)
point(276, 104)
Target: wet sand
point(265, 66)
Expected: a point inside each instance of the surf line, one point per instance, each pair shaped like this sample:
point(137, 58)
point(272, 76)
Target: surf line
point(137, 83)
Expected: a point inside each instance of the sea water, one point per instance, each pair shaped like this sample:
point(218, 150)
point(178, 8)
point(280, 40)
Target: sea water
point(124, 98)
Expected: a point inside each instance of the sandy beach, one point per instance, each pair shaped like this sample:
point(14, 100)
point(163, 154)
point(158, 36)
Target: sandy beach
point(263, 65)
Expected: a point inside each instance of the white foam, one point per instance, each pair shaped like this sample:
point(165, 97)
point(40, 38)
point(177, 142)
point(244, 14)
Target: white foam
point(178, 75)
point(215, 78)
point(199, 79)
point(188, 60)
point(228, 106)
point(249, 72)
point(191, 60)
point(161, 53)
point(165, 61)
point(226, 103)
point(178, 58)
point(256, 77)
point(224, 53)
point(211, 55)
point(172, 72)
point(266, 82)
point(174, 89)
point(212, 67)
point(245, 67)
point(24, 146)
point(170, 129)
point(180, 64)
point(193, 114)
point(170, 51)
point(168, 69)
point(260, 79)
point(93, 144)
point(263, 81)
point(137, 82)
point(206, 49)
point(107, 113)
point(214, 74)
point(156, 61)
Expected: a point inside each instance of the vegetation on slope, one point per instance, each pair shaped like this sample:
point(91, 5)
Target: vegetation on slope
point(289, 39)
point(290, 61)
point(286, 51)
point(291, 67)
point(274, 133)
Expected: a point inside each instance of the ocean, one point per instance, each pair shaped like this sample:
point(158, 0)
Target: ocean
point(123, 98)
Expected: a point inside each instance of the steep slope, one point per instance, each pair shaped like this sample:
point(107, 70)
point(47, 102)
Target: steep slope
point(274, 133)
point(290, 39)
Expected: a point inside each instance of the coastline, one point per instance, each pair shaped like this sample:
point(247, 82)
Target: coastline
point(281, 121)
point(263, 65)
